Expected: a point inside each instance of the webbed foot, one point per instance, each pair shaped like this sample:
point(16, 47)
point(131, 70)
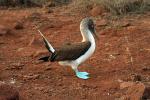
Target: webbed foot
point(82, 75)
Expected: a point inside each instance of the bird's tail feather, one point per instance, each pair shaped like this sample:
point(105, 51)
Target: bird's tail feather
point(47, 44)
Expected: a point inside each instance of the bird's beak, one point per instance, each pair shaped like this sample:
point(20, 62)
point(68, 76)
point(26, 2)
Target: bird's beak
point(95, 33)
point(92, 29)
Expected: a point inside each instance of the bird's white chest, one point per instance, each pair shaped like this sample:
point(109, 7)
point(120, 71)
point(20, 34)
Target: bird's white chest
point(89, 52)
point(86, 55)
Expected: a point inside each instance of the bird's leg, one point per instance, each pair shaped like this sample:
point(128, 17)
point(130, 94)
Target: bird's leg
point(82, 75)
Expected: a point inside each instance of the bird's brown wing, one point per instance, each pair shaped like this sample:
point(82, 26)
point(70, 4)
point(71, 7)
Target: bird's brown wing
point(70, 51)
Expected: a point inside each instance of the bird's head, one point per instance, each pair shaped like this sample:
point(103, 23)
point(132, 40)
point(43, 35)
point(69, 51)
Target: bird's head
point(88, 23)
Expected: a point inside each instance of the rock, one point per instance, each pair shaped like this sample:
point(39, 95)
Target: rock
point(126, 84)
point(101, 23)
point(35, 15)
point(146, 94)
point(136, 77)
point(125, 24)
point(135, 91)
point(3, 30)
point(47, 10)
point(8, 92)
point(97, 10)
point(48, 66)
point(146, 69)
point(18, 25)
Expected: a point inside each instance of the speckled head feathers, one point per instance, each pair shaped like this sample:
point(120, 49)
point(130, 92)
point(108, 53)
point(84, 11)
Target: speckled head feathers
point(88, 24)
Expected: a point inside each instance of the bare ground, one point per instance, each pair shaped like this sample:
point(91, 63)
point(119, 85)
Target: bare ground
point(122, 54)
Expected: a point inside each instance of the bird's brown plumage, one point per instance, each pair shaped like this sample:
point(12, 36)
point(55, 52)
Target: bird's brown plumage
point(70, 51)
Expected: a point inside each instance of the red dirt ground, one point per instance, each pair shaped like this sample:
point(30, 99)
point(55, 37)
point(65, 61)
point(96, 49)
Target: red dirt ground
point(122, 54)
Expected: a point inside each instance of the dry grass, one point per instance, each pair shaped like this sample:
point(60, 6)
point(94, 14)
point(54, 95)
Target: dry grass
point(120, 7)
point(55, 1)
point(82, 6)
point(30, 2)
point(116, 7)
point(13, 3)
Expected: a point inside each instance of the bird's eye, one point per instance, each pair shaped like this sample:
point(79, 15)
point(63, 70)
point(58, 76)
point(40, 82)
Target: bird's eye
point(92, 26)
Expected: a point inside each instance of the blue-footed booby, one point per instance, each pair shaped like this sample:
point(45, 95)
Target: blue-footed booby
point(74, 54)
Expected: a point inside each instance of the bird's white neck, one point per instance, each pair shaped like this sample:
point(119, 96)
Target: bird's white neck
point(87, 35)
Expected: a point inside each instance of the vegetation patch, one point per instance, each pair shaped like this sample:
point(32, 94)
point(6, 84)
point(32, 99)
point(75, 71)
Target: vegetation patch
point(120, 7)
point(116, 7)
point(31, 3)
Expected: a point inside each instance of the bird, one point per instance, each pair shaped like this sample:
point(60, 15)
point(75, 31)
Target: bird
point(74, 54)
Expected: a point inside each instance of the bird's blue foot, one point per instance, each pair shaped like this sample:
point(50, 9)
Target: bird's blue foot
point(83, 75)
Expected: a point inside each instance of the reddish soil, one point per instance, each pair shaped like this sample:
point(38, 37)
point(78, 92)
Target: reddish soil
point(122, 54)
